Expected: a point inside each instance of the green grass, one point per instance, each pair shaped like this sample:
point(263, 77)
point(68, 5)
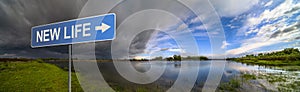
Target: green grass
point(232, 86)
point(285, 83)
point(249, 76)
point(286, 57)
point(290, 68)
point(270, 62)
point(34, 76)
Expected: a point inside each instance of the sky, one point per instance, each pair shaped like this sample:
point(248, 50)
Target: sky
point(250, 26)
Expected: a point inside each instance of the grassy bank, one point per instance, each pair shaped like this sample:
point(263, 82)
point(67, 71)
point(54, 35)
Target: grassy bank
point(269, 62)
point(286, 57)
point(34, 76)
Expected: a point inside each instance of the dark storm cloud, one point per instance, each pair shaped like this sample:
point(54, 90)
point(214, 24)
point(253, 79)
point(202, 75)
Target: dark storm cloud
point(103, 50)
point(138, 44)
point(18, 16)
point(131, 8)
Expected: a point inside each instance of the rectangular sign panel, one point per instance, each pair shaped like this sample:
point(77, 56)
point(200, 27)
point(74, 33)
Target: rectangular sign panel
point(90, 29)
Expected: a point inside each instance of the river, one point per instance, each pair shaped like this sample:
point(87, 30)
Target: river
point(267, 78)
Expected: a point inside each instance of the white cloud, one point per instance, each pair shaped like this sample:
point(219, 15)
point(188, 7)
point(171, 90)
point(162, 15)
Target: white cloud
point(267, 16)
point(224, 45)
point(261, 41)
point(270, 15)
point(248, 46)
point(195, 20)
point(182, 27)
point(201, 27)
point(269, 3)
point(233, 7)
point(141, 57)
point(266, 39)
point(268, 34)
point(231, 26)
point(177, 50)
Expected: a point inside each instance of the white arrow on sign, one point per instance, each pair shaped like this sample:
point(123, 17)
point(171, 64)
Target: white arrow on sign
point(103, 27)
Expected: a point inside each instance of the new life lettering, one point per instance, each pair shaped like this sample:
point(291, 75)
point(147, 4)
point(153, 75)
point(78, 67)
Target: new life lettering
point(47, 35)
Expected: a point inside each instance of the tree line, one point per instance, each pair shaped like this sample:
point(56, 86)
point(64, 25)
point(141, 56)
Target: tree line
point(179, 58)
point(288, 54)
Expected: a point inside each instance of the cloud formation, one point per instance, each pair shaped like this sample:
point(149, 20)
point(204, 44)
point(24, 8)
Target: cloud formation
point(271, 27)
point(229, 8)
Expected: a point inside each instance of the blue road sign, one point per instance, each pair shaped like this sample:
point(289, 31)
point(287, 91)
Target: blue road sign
point(90, 29)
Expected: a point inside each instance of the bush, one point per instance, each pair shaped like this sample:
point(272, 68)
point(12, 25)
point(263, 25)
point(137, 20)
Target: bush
point(39, 61)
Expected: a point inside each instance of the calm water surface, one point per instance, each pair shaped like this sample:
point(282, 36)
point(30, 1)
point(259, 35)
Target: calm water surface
point(232, 70)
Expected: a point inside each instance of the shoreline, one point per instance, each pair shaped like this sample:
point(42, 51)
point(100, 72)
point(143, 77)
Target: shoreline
point(269, 62)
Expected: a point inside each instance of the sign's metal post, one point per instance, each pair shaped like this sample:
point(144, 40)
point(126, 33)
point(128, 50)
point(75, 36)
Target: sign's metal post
point(70, 67)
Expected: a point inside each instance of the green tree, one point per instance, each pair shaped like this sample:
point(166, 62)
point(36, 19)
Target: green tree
point(177, 58)
point(169, 58)
point(203, 58)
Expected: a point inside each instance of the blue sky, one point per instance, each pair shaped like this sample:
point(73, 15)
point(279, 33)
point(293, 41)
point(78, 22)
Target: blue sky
point(257, 26)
